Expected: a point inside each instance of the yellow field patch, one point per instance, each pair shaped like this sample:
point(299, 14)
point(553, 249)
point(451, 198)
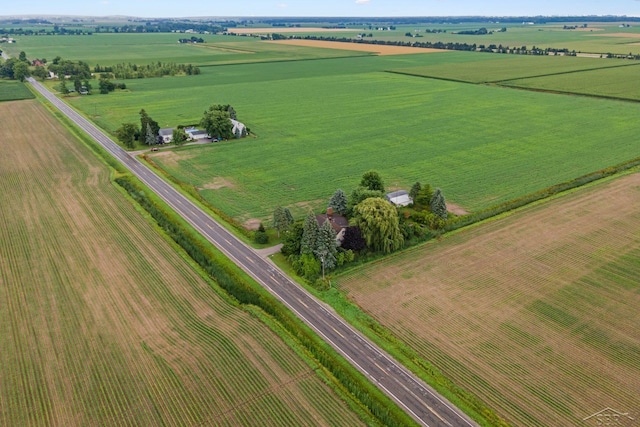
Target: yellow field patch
point(359, 47)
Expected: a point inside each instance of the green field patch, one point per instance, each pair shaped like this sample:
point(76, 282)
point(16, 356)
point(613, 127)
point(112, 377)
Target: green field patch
point(488, 67)
point(14, 91)
point(321, 124)
point(613, 82)
point(554, 314)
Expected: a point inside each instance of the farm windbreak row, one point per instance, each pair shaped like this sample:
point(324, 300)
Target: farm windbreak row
point(487, 127)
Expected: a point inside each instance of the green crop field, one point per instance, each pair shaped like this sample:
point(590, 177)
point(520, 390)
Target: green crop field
point(537, 313)
point(102, 323)
point(321, 124)
point(108, 49)
point(488, 68)
point(12, 90)
point(620, 82)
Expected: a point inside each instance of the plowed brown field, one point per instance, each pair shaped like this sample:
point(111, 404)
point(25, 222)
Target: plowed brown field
point(536, 313)
point(102, 323)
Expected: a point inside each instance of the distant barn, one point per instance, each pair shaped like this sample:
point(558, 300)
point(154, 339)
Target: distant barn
point(400, 198)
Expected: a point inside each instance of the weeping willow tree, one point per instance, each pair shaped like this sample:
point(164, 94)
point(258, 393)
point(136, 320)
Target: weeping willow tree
point(379, 224)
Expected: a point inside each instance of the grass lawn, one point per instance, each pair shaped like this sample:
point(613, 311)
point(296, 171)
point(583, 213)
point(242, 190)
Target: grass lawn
point(103, 323)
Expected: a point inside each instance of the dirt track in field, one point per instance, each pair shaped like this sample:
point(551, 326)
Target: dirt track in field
point(102, 323)
point(381, 50)
point(530, 311)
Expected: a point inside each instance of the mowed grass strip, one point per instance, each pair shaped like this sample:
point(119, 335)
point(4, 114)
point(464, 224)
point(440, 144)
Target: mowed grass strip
point(535, 313)
point(104, 324)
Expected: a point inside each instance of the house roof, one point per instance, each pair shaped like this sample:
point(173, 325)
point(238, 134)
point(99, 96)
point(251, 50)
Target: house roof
point(397, 194)
point(165, 132)
point(338, 222)
point(399, 198)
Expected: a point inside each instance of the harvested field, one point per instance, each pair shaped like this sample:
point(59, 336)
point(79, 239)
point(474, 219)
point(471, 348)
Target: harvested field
point(102, 323)
point(381, 50)
point(536, 313)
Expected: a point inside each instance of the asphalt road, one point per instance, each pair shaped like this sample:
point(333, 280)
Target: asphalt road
point(418, 399)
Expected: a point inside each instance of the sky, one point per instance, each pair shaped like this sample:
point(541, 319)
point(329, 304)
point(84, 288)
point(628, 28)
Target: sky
point(350, 8)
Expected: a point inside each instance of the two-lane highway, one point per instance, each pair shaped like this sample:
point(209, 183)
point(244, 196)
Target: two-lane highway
point(418, 399)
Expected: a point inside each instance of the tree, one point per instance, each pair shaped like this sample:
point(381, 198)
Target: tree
point(338, 202)
point(372, 181)
point(291, 240)
point(77, 83)
point(423, 199)
point(281, 220)
point(353, 240)
point(415, 190)
point(40, 72)
point(261, 236)
point(362, 193)
point(146, 120)
point(106, 86)
point(438, 204)
point(126, 134)
point(20, 71)
point(289, 216)
point(178, 136)
point(22, 56)
point(63, 87)
point(379, 223)
point(149, 137)
point(310, 231)
point(326, 247)
point(217, 123)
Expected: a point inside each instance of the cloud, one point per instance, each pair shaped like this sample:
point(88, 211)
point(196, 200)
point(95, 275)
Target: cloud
point(367, 1)
point(282, 6)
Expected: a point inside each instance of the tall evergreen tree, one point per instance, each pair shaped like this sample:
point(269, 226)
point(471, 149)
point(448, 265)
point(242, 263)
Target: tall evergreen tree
point(281, 220)
point(289, 216)
point(438, 204)
point(146, 120)
point(338, 202)
point(309, 234)
point(415, 190)
point(326, 247)
point(149, 137)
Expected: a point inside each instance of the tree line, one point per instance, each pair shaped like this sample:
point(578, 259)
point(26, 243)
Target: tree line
point(155, 69)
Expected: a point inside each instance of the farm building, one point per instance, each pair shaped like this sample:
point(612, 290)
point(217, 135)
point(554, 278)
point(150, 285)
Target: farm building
point(400, 198)
point(239, 129)
point(196, 134)
point(338, 223)
point(166, 134)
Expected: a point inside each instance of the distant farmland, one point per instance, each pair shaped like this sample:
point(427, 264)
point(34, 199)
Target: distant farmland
point(102, 323)
point(537, 313)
